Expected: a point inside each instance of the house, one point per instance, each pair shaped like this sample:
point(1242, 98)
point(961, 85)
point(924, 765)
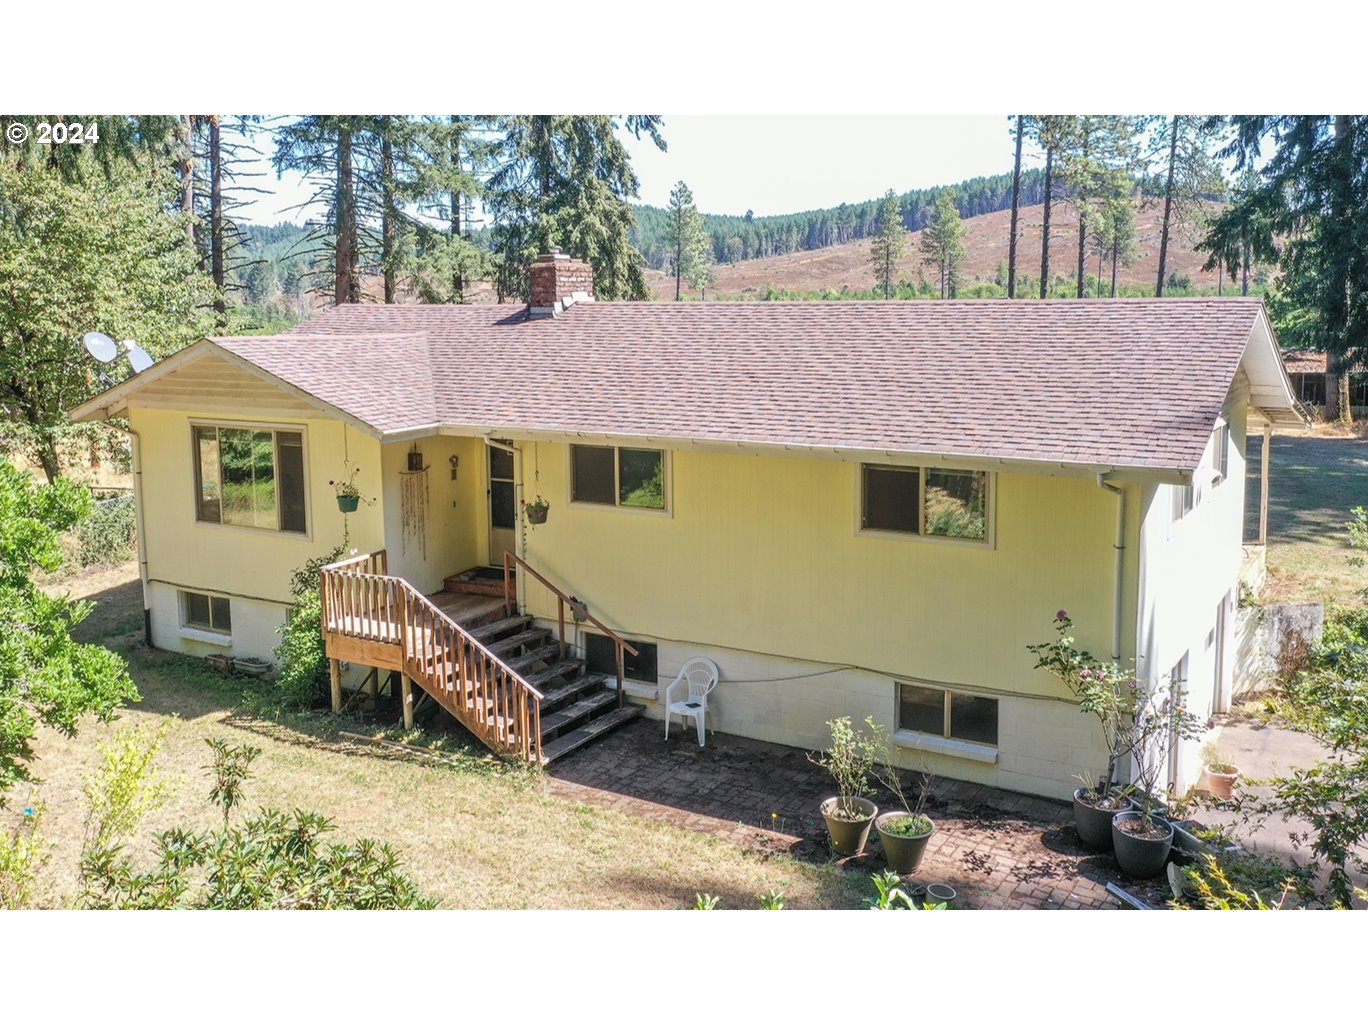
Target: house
point(1318, 389)
point(854, 508)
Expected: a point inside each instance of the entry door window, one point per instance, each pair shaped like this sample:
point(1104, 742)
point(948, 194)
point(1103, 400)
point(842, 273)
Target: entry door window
point(502, 508)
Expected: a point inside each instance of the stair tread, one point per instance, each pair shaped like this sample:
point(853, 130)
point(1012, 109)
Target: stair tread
point(497, 627)
point(584, 707)
point(516, 641)
point(540, 678)
point(558, 695)
point(577, 738)
point(525, 662)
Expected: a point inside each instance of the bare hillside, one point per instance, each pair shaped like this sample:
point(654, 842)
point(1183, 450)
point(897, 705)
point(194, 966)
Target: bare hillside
point(986, 239)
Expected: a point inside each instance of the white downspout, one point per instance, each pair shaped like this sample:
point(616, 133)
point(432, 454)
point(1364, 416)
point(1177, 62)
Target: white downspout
point(1120, 547)
point(142, 535)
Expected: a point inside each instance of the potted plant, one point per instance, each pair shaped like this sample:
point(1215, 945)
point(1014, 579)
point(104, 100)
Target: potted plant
point(1141, 838)
point(849, 759)
point(348, 495)
point(252, 666)
point(536, 510)
point(1106, 691)
point(904, 833)
point(1220, 774)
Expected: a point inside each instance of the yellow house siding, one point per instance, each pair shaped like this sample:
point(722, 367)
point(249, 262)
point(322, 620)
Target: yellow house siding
point(245, 564)
point(455, 512)
point(762, 554)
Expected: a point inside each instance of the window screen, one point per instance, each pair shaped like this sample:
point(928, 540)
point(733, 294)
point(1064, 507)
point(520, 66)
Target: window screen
point(593, 474)
point(891, 499)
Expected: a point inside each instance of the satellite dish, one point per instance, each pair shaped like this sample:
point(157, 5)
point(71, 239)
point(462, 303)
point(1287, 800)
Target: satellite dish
point(137, 356)
point(100, 346)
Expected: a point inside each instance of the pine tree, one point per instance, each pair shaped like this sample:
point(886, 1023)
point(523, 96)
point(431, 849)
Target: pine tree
point(1016, 205)
point(1313, 194)
point(1098, 155)
point(684, 233)
point(565, 180)
point(942, 244)
point(889, 244)
point(1189, 173)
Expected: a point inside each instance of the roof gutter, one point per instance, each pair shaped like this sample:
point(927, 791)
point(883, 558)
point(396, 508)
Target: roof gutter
point(1120, 549)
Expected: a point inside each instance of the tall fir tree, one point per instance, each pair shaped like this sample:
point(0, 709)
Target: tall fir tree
point(1016, 208)
point(942, 244)
point(688, 245)
point(566, 180)
point(1313, 194)
point(889, 244)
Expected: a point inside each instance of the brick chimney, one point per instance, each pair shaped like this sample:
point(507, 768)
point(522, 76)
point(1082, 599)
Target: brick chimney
point(557, 282)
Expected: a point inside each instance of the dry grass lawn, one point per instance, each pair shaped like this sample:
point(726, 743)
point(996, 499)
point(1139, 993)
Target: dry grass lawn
point(474, 836)
point(1315, 477)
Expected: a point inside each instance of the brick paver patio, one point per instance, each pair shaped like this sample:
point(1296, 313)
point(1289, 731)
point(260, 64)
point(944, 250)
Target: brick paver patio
point(997, 849)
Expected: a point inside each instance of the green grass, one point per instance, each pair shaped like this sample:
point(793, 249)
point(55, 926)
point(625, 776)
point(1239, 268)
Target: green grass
point(477, 834)
point(1315, 478)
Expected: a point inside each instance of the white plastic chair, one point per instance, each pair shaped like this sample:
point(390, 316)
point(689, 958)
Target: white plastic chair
point(700, 676)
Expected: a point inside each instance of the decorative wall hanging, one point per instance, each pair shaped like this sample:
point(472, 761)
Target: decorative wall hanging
point(413, 508)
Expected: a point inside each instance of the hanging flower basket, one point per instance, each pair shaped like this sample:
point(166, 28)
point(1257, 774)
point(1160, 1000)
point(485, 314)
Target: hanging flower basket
point(536, 510)
point(348, 503)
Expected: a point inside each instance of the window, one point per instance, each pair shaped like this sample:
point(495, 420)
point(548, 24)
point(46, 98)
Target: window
point(611, 476)
point(250, 477)
point(948, 714)
point(600, 656)
point(1310, 388)
point(920, 500)
point(206, 612)
point(1358, 389)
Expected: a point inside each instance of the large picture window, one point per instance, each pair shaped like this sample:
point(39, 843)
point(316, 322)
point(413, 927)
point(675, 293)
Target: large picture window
point(250, 477)
point(610, 476)
point(921, 500)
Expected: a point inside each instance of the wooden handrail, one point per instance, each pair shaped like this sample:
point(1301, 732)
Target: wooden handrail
point(483, 691)
point(562, 600)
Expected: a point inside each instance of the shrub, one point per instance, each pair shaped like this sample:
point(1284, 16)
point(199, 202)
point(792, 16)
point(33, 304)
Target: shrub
point(272, 860)
point(109, 534)
point(301, 655)
point(23, 852)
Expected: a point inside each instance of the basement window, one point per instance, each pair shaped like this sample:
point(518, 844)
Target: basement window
point(206, 612)
point(600, 656)
point(928, 501)
point(609, 476)
point(954, 715)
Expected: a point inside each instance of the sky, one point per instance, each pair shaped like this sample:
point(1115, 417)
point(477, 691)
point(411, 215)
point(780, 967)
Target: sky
point(771, 164)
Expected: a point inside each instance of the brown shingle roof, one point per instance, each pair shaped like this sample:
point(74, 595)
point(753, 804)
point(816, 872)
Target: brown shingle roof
point(1135, 383)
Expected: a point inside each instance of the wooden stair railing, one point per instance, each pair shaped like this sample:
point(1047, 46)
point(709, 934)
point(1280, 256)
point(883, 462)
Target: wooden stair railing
point(562, 600)
point(488, 697)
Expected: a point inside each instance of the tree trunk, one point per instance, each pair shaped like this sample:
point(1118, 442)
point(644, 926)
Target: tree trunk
point(1244, 273)
point(388, 214)
point(1168, 208)
point(1082, 248)
point(1016, 204)
point(187, 200)
point(457, 278)
point(344, 256)
point(1045, 227)
point(216, 253)
point(1346, 409)
point(47, 457)
point(1115, 254)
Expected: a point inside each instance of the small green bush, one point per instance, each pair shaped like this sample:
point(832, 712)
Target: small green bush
point(303, 676)
point(109, 534)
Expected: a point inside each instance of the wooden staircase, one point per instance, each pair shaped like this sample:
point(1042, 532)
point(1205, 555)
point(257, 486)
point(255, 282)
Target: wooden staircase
point(507, 681)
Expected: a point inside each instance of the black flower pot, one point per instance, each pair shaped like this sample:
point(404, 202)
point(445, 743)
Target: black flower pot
point(1094, 825)
point(348, 503)
point(537, 514)
point(1141, 858)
